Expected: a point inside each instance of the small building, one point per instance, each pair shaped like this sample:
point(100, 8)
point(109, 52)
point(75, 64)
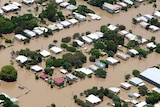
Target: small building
point(136, 95)
point(52, 27)
point(136, 81)
point(156, 90)
point(126, 85)
point(58, 81)
point(71, 7)
point(37, 31)
point(79, 16)
point(59, 26)
point(22, 59)
point(153, 28)
point(59, 1)
point(112, 61)
point(94, 16)
point(9, 7)
point(93, 99)
point(132, 52)
point(45, 53)
point(111, 8)
point(87, 40)
point(151, 45)
point(64, 4)
point(148, 16)
point(56, 50)
point(80, 43)
point(141, 104)
point(144, 24)
point(134, 101)
point(28, 1)
point(44, 76)
point(140, 1)
point(128, 2)
point(14, 100)
point(123, 32)
point(156, 14)
point(29, 33)
point(65, 23)
point(73, 21)
point(122, 56)
point(130, 36)
point(36, 68)
point(93, 36)
point(122, 4)
point(93, 67)
point(112, 27)
point(100, 64)
point(63, 71)
point(151, 75)
point(71, 77)
point(20, 37)
point(114, 90)
point(86, 71)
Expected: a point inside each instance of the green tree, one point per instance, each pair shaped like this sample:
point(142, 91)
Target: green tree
point(95, 52)
point(48, 70)
point(72, 2)
point(99, 45)
point(143, 90)
point(158, 48)
point(101, 73)
point(103, 28)
point(136, 73)
point(8, 73)
point(132, 43)
point(142, 52)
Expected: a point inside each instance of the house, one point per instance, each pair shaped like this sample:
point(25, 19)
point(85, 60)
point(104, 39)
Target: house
point(128, 2)
point(99, 34)
point(111, 8)
point(122, 56)
point(44, 76)
point(153, 28)
point(20, 37)
point(130, 36)
point(157, 14)
point(63, 71)
point(126, 85)
point(29, 33)
point(112, 61)
point(93, 36)
point(151, 75)
point(87, 40)
point(151, 45)
point(56, 50)
point(93, 67)
point(112, 27)
point(28, 1)
point(45, 53)
point(22, 59)
point(58, 81)
point(93, 99)
point(79, 16)
point(10, 7)
point(65, 23)
point(100, 64)
point(114, 90)
point(136, 81)
point(71, 77)
point(94, 16)
point(36, 68)
point(132, 52)
point(73, 21)
point(80, 43)
point(141, 104)
point(86, 71)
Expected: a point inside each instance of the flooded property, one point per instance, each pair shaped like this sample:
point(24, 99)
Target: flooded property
point(37, 93)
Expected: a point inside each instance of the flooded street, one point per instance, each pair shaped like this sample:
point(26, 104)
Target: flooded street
point(38, 93)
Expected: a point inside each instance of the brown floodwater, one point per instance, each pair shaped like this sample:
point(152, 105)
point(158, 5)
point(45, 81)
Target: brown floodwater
point(38, 93)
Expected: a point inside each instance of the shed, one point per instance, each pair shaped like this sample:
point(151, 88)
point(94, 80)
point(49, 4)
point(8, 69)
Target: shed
point(56, 50)
point(93, 67)
point(58, 81)
point(114, 90)
point(122, 56)
point(71, 77)
point(126, 85)
point(112, 61)
point(151, 45)
point(141, 104)
point(79, 16)
point(29, 33)
point(93, 99)
point(87, 40)
point(100, 64)
point(36, 68)
point(22, 59)
point(45, 53)
point(64, 71)
point(73, 21)
point(112, 27)
point(52, 27)
point(135, 81)
point(20, 37)
point(80, 43)
point(134, 101)
point(86, 71)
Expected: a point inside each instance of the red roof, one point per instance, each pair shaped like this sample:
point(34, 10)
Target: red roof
point(44, 76)
point(59, 80)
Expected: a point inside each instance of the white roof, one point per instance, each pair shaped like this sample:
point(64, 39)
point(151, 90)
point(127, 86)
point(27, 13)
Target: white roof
point(144, 24)
point(122, 55)
point(157, 14)
point(71, 7)
point(28, 1)
point(21, 58)
point(130, 36)
point(65, 23)
point(10, 7)
point(14, 100)
point(63, 71)
point(136, 95)
point(43, 29)
point(122, 4)
point(112, 27)
point(38, 31)
point(93, 67)
point(123, 32)
point(93, 36)
point(114, 89)
point(94, 16)
point(134, 101)
point(128, 2)
point(141, 104)
point(156, 90)
point(64, 4)
point(29, 33)
point(45, 53)
point(86, 71)
point(153, 28)
point(36, 68)
point(59, 1)
point(125, 84)
point(71, 76)
point(59, 26)
point(1, 12)
point(17, 4)
point(20, 37)
point(136, 80)
point(133, 51)
point(148, 16)
point(73, 21)
point(52, 27)
point(56, 49)
point(88, 40)
point(93, 99)
point(80, 43)
point(99, 34)
point(112, 60)
point(157, 105)
point(151, 45)
point(79, 16)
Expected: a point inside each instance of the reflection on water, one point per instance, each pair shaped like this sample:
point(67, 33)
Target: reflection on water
point(39, 94)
